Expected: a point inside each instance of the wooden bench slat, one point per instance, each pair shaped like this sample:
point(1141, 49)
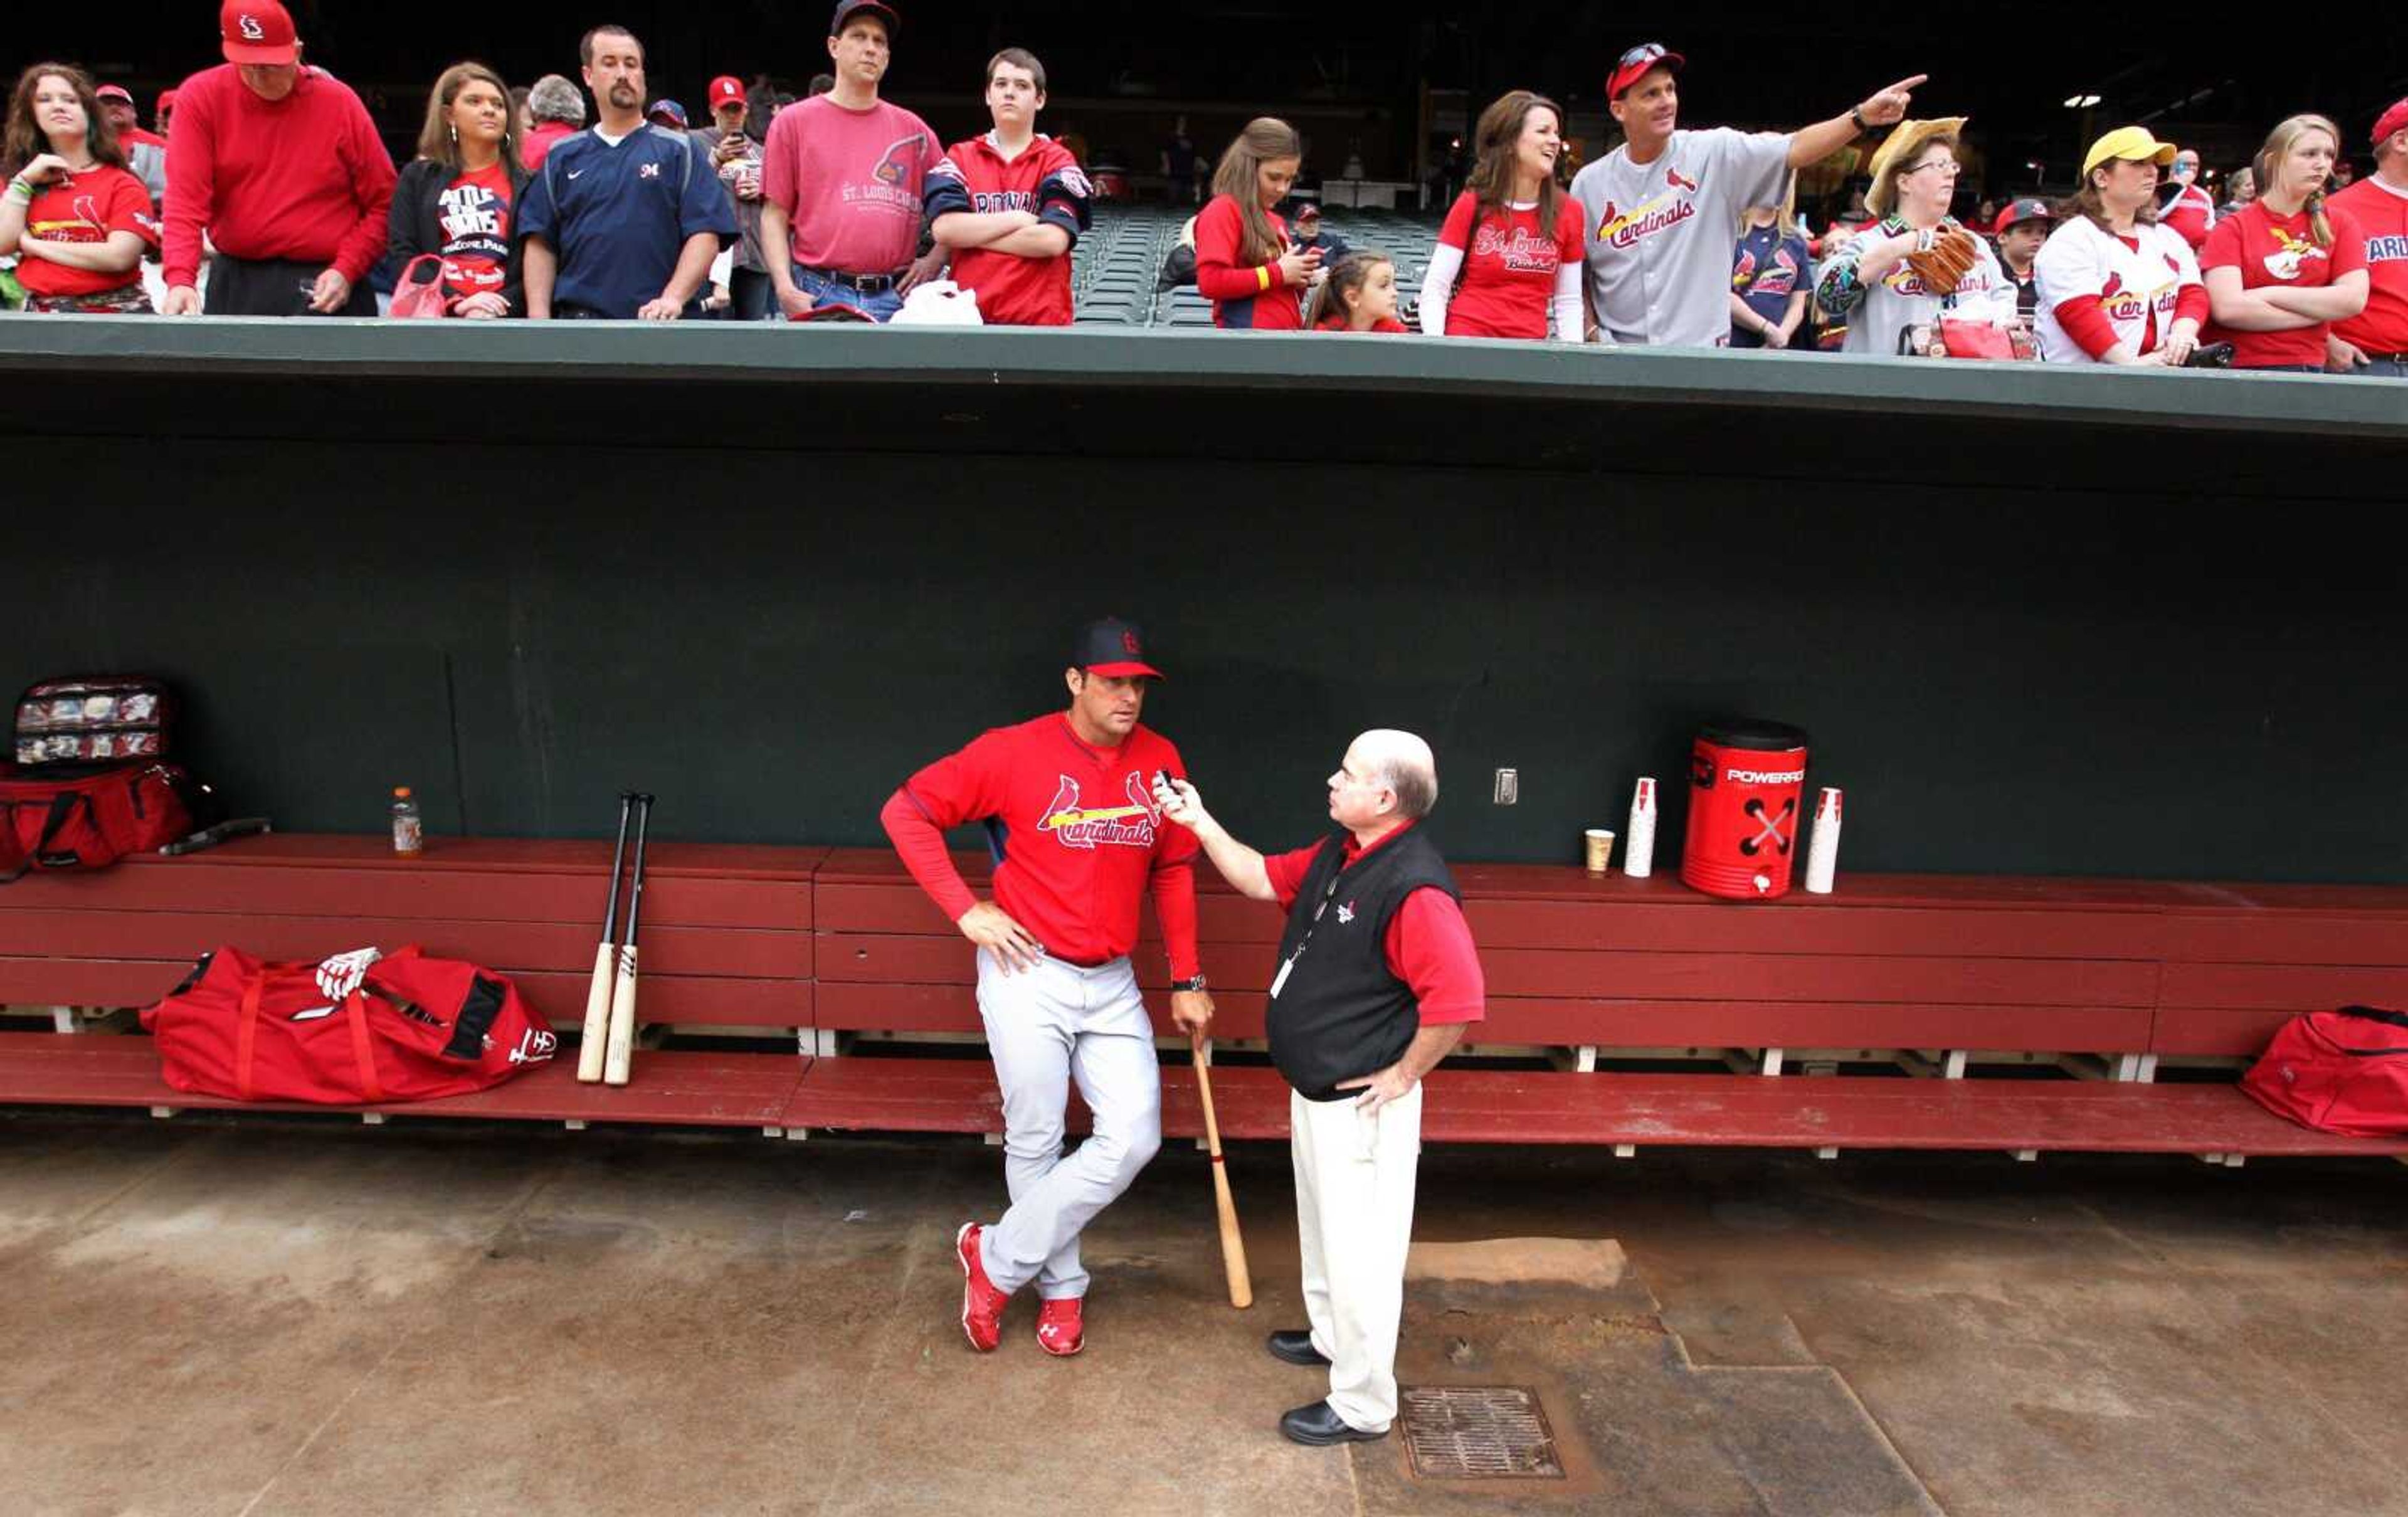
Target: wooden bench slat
point(667, 1088)
point(2283, 987)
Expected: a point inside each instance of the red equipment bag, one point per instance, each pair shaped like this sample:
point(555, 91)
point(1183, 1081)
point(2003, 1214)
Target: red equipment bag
point(2342, 1071)
point(406, 1028)
point(92, 821)
point(94, 719)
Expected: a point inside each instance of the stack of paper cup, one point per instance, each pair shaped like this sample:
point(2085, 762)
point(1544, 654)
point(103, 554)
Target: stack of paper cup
point(1823, 852)
point(1638, 855)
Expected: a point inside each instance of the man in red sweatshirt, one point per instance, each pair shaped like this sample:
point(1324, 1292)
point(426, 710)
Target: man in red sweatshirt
point(1077, 836)
point(280, 165)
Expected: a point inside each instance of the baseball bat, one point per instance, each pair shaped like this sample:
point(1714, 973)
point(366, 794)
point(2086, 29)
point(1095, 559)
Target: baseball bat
point(597, 1036)
point(1233, 1244)
point(623, 994)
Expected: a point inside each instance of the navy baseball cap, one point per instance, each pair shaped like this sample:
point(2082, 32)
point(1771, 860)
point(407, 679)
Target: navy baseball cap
point(847, 10)
point(666, 113)
point(1111, 647)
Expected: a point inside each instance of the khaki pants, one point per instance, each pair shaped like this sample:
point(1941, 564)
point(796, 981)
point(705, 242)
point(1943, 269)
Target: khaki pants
point(1355, 1222)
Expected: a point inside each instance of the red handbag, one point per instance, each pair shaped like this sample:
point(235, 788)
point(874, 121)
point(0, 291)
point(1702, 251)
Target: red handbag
point(2342, 1071)
point(406, 1028)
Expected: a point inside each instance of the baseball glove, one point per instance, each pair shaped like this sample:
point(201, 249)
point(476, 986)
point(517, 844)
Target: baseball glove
point(1945, 258)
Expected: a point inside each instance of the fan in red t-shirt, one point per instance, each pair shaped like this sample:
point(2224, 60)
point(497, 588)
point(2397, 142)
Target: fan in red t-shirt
point(75, 218)
point(1508, 256)
point(1359, 295)
point(2285, 267)
point(1245, 263)
point(2375, 341)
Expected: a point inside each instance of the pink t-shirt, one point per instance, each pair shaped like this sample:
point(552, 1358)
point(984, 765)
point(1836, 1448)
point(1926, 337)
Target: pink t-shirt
point(850, 182)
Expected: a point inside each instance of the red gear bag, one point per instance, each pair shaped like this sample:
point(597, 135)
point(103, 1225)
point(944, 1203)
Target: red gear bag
point(92, 822)
point(416, 1028)
point(2342, 1071)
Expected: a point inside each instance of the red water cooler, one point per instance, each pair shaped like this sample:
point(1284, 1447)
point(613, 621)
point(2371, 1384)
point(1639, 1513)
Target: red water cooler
point(1747, 783)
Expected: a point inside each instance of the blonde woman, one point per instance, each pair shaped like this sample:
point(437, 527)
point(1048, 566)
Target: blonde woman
point(1917, 262)
point(2285, 267)
point(1769, 279)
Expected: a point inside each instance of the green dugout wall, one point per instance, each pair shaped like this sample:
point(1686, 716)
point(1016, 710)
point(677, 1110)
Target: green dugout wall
point(2044, 622)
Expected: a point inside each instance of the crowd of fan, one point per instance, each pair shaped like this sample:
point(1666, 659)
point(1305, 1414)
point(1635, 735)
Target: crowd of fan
point(277, 198)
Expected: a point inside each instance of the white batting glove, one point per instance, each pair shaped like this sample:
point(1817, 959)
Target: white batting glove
point(341, 973)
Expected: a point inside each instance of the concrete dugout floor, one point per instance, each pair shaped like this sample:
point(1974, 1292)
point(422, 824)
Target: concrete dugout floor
point(270, 1317)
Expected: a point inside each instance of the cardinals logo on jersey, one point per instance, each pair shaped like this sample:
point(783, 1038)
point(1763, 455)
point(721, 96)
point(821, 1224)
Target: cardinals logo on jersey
point(1072, 826)
point(896, 164)
point(1618, 228)
point(1677, 181)
point(2293, 255)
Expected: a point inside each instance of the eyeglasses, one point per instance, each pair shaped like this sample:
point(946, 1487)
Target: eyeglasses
point(1647, 52)
point(1949, 164)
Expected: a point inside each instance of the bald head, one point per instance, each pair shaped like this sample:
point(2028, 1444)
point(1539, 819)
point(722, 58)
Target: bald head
point(1402, 763)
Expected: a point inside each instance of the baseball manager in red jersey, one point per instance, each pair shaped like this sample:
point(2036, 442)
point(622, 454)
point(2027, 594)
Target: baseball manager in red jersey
point(1067, 800)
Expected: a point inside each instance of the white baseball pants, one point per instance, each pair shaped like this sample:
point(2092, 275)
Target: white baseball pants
point(1355, 1221)
point(1045, 1027)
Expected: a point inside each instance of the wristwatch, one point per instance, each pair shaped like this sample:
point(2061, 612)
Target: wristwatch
point(1856, 114)
point(1193, 982)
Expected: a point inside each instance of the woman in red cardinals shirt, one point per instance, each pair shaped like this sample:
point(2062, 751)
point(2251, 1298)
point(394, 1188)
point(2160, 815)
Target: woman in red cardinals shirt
point(1509, 257)
point(1244, 263)
point(2283, 268)
point(77, 220)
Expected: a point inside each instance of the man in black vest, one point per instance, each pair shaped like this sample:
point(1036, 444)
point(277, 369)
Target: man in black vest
point(1377, 980)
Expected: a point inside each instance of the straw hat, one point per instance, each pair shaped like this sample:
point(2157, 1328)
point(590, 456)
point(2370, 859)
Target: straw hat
point(1899, 148)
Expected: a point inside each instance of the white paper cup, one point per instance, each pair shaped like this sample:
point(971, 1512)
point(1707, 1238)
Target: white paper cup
point(1600, 849)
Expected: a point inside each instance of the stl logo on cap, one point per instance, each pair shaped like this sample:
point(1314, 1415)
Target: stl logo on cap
point(251, 30)
point(1128, 645)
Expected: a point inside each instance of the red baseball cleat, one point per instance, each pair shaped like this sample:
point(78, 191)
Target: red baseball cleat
point(1060, 1330)
point(982, 1303)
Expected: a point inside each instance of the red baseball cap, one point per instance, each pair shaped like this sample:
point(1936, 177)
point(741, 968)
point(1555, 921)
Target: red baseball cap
point(257, 32)
point(113, 91)
point(2394, 119)
point(727, 89)
point(1111, 647)
point(1635, 63)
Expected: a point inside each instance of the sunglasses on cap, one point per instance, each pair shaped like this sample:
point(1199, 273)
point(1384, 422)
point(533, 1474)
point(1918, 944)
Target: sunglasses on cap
point(1647, 52)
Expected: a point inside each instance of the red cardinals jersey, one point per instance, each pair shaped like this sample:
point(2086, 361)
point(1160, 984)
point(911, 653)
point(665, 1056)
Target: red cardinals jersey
point(2281, 251)
point(1509, 266)
point(2381, 213)
point(1075, 831)
point(85, 208)
point(1044, 180)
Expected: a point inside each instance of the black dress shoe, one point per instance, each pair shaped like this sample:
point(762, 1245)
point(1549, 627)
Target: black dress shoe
point(1295, 1345)
point(1319, 1423)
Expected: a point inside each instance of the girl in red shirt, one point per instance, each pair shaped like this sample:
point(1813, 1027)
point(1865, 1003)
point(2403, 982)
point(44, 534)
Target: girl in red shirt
point(75, 218)
point(1244, 265)
point(2281, 269)
point(1509, 255)
point(1359, 295)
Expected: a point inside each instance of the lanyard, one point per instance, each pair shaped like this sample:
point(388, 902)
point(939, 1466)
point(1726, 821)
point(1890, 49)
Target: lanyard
point(1306, 941)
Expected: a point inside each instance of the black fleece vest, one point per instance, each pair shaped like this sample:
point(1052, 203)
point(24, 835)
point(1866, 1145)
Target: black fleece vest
point(1340, 1013)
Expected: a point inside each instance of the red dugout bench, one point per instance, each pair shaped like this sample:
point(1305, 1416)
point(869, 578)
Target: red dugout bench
point(1917, 980)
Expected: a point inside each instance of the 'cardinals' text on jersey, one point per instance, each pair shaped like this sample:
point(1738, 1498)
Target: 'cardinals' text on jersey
point(1044, 180)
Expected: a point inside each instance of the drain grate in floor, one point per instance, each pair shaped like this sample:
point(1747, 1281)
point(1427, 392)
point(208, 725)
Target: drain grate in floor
point(1478, 1432)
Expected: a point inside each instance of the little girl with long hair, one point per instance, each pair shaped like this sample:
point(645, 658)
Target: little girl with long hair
point(1359, 295)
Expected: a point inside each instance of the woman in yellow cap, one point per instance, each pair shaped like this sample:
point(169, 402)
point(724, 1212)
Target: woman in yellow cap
point(2116, 285)
point(1917, 261)
point(2284, 268)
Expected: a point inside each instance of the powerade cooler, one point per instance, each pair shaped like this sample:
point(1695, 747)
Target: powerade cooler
point(1746, 783)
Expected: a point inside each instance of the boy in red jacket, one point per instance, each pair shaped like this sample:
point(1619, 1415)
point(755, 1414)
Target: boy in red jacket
point(1010, 204)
